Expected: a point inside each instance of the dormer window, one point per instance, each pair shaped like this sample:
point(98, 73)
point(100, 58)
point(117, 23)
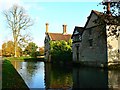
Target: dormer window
point(77, 38)
point(76, 32)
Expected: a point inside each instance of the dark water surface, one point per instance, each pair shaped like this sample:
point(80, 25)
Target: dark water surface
point(41, 75)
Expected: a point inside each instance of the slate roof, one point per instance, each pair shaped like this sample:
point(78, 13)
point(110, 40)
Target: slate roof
point(78, 29)
point(59, 36)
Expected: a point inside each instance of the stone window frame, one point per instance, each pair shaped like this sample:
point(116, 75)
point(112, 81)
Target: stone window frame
point(90, 42)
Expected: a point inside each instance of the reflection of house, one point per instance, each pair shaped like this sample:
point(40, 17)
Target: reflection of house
point(84, 78)
point(95, 48)
point(54, 37)
point(57, 77)
point(113, 79)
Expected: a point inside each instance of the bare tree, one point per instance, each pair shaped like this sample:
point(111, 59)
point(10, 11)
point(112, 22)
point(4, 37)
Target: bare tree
point(111, 16)
point(17, 21)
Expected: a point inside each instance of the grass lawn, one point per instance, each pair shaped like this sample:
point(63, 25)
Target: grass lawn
point(11, 79)
point(16, 58)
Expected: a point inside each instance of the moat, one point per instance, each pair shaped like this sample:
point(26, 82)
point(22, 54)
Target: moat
point(47, 76)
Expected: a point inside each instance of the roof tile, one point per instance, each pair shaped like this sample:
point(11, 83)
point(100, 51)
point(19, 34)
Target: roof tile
point(59, 36)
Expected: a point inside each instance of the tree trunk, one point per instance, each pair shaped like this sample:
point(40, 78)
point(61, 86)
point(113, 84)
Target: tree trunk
point(15, 43)
point(15, 51)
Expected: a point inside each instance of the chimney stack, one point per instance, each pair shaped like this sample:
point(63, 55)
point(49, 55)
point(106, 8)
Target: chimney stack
point(108, 7)
point(47, 27)
point(64, 29)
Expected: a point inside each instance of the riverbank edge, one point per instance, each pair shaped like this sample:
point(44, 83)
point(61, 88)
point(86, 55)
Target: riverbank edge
point(11, 79)
point(23, 59)
point(79, 64)
point(70, 63)
point(109, 67)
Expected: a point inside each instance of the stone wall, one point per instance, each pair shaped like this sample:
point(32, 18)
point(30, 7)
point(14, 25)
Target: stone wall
point(74, 50)
point(113, 46)
point(95, 55)
point(47, 47)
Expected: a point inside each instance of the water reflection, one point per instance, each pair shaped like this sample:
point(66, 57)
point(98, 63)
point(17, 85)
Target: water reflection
point(114, 79)
point(90, 78)
point(59, 77)
point(32, 73)
point(40, 75)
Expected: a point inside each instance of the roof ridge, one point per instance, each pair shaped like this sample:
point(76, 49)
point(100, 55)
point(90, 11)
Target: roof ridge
point(55, 33)
point(60, 33)
point(97, 12)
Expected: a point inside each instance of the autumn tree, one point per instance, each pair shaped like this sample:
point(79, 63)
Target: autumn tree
point(18, 21)
point(8, 49)
point(41, 50)
point(31, 49)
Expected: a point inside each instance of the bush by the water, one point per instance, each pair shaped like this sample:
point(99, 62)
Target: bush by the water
point(61, 51)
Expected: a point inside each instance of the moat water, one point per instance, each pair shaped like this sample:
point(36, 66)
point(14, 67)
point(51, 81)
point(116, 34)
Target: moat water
point(47, 76)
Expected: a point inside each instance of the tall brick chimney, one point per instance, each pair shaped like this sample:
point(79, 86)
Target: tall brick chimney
point(108, 7)
point(64, 29)
point(47, 24)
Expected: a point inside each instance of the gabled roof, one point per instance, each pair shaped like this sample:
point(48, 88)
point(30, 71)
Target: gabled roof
point(89, 17)
point(97, 12)
point(103, 18)
point(59, 36)
point(78, 31)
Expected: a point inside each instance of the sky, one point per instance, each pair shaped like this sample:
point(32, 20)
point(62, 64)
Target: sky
point(56, 13)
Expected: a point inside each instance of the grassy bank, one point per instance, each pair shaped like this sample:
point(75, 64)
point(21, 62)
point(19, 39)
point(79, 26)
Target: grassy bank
point(11, 79)
point(16, 58)
point(23, 58)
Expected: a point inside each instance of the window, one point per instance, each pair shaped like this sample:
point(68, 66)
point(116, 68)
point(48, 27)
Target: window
point(77, 38)
point(73, 38)
point(77, 52)
point(80, 38)
point(77, 49)
point(91, 42)
point(46, 40)
point(90, 31)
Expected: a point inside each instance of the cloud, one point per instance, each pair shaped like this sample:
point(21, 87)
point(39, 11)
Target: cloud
point(27, 4)
point(61, 0)
point(39, 8)
point(6, 4)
